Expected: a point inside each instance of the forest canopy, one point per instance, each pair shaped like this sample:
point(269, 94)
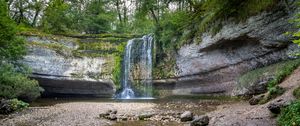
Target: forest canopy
point(174, 22)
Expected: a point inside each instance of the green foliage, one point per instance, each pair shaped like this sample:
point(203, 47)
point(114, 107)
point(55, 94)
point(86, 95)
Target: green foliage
point(117, 71)
point(276, 71)
point(172, 25)
point(14, 82)
point(58, 48)
point(179, 27)
point(97, 19)
point(66, 17)
point(11, 46)
point(17, 85)
point(216, 11)
point(285, 71)
point(165, 69)
point(17, 104)
point(56, 19)
point(140, 25)
point(290, 116)
point(296, 93)
point(276, 91)
point(272, 93)
point(297, 34)
point(12, 105)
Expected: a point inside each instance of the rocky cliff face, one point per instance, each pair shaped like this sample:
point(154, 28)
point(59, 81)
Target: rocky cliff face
point(63, 66)
point(213, 66)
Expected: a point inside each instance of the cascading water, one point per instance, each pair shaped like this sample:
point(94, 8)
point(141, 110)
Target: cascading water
point(138, 53)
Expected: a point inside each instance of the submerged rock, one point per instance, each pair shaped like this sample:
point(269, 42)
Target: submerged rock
point(186, 116)
point(200, 121)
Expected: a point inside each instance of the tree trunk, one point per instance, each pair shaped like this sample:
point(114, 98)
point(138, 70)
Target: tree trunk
point(119, 11)
point(37, 12)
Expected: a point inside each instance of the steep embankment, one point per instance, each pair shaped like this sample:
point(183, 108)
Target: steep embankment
point(75, 65)
point(245, 114)
point(213, 65)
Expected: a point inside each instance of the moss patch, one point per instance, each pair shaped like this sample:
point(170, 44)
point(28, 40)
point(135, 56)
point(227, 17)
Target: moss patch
point(296, 93)
point(277, 71)
point(165, 69)
point(57, 47)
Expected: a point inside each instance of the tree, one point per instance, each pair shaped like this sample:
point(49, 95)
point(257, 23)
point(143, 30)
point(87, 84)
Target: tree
point(11, 47)
point(14, 83)
point(20, 9)
point(97, 18)
point(37, 6)
point(56, 17)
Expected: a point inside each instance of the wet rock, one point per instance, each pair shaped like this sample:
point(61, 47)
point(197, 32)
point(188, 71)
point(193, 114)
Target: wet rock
point(145, 116)
point(256, 99)
point(186, 116)
point(200, 121)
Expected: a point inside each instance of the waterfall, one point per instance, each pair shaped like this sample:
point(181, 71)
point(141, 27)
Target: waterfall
point(137, 63)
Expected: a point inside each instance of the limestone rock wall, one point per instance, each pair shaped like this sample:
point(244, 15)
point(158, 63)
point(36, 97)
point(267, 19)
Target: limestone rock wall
point(213, 66)
point(60, 71)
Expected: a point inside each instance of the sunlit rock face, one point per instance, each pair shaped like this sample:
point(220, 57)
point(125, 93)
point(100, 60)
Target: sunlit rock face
point(213, 66)
point(59, 71)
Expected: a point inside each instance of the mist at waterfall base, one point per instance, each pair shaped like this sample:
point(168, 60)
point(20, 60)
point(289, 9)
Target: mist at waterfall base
point(137, 69)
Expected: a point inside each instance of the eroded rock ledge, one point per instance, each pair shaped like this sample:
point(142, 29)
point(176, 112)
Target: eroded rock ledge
point(213, 66)
point(60, 71)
